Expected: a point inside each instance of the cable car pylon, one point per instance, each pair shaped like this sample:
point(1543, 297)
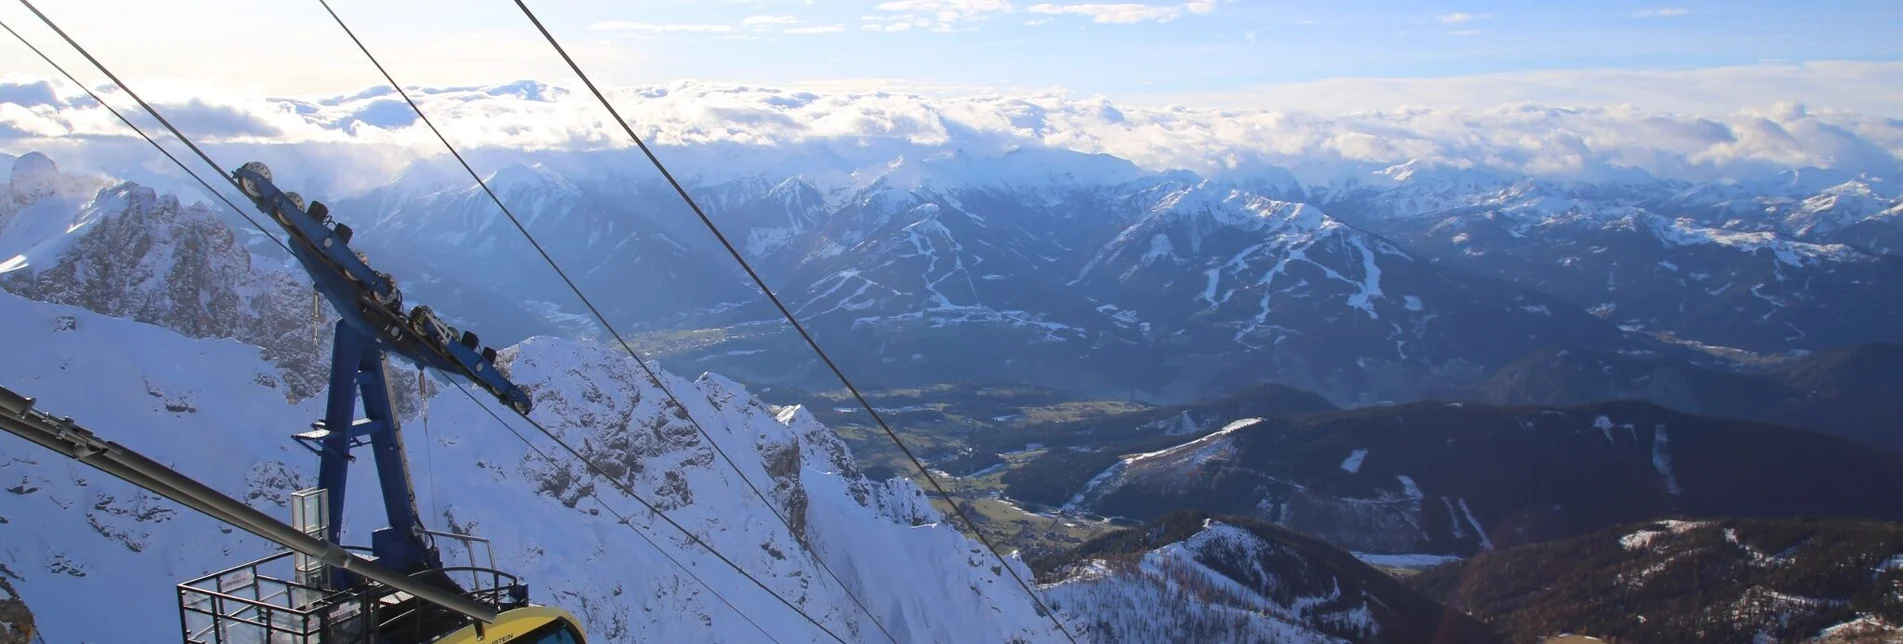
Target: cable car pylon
point(322, 592)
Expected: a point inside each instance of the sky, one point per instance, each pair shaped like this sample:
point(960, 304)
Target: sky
point(1326, 55)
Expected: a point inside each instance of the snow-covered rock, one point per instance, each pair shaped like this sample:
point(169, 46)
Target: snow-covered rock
point(1840, 206)
point(124, 250)
point(210, 408)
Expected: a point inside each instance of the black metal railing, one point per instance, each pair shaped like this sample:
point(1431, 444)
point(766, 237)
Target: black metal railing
point(264, 602)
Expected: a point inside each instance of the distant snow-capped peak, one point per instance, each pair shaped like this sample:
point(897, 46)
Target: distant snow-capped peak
point(1842, 205)
point(1235, 209)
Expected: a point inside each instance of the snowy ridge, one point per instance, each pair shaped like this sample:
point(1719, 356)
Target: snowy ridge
point(42, 207)
point(1202, 448)
point(1684, 232)
point(1198, 577)
point(124, 250)
point(211, 415)
point(1262, 267)
point(1196, 213)
point(1232, 596)
point(1841, 206)
point(1214, 445)
point(1820, 587)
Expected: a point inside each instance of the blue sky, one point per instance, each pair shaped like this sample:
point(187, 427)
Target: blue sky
point(1223, 53)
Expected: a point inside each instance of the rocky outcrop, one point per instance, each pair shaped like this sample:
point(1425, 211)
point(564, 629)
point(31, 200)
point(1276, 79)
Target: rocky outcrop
point(16, 622)
point(125, 251)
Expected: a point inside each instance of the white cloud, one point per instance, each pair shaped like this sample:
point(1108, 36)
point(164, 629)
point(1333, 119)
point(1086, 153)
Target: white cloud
point(933, 6)
point(1517, 136)
point(1200, 6)
point(1869, 87)
point(818, 29)
point(946, 11)
point(932, 15)
point(1461, 16)
point(649, 27)
point(1662, 13)
point(1120, 13)
point(765, 23)
point(753, 21)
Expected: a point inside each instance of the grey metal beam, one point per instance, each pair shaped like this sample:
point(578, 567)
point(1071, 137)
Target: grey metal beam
point(18, 416)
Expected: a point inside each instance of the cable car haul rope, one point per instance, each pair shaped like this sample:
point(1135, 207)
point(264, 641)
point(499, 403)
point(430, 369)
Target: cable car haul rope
point(330, 594)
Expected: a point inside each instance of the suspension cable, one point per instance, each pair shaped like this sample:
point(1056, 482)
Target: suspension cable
point(652, 377)
point(629, 490)
point(788, 314)
point(619, 518)
point(624, 488)
point(148, 139)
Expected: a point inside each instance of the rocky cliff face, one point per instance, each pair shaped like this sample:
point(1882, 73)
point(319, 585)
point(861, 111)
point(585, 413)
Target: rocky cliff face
point(122, 250)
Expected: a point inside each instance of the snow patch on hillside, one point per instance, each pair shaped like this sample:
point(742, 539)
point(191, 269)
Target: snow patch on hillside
point(1662, 460)
point(1352, 464)
point(1204, 445)
point(1648, 537)
point(1485, 543)
point(1604, 424)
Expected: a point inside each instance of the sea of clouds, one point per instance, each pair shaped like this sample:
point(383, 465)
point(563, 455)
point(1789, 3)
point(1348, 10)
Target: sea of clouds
point(375, 129)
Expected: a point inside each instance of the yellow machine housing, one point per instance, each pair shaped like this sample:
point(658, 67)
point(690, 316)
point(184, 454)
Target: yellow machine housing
point(529, 625)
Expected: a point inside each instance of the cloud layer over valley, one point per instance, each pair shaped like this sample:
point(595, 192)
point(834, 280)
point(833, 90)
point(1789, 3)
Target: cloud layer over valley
point(373, 128)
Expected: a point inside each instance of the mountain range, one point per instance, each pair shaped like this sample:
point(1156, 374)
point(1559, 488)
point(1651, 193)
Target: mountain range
point(1193, 576)
point(1686, 580)
point(1405, 357)
point(1088, 272)
point(1850, 392)
point(123, 346)
point(1455, 478)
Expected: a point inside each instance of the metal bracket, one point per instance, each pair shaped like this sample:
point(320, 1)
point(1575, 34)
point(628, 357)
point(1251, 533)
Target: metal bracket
point(313, 440)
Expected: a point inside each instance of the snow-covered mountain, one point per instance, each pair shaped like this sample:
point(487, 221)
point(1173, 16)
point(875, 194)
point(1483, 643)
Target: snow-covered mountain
point(124, 250)
point(916, 263)
point(1848, 392)
point(439, 227)
point(1058, 241)
point(1327, 306)
point(207, 408)
point(1033, 265)
point(206, 404)
point(1247, 581)
point(1756, 580)
point(1719, 266)
point(1458, 478)
point(1367, 258)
